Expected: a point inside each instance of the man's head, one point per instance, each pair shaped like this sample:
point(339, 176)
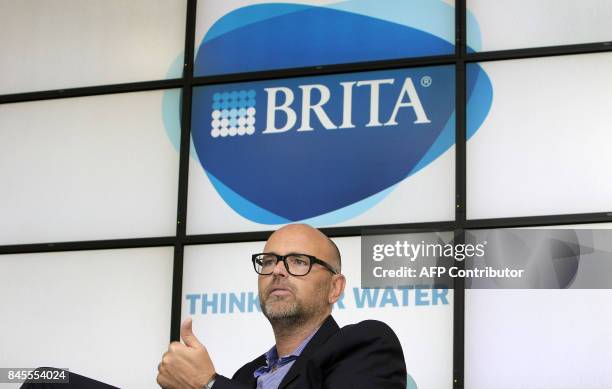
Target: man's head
point(291, 300)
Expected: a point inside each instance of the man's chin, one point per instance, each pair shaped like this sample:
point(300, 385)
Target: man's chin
point(279, 309)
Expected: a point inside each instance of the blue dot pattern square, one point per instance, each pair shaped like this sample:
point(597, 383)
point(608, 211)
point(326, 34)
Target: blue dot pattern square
point(233, 113)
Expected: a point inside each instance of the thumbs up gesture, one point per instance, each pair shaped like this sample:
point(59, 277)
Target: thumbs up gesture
point(185, 365)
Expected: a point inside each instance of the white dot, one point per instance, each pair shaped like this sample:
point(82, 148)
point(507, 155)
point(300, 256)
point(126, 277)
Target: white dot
point(241, 130)
point(232, 131)
point(216, 123)
point(224, 122)
point(216, 114)
point(250, 121)
point(233, 112)
point(215, 132)
point(241, 121)
point(250, 130)
point(251, 111)
point(224, 132)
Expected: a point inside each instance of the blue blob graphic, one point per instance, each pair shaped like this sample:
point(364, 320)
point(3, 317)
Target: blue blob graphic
point(309, 36)
point(216, 97)
point(216, 105)
point(336, 178)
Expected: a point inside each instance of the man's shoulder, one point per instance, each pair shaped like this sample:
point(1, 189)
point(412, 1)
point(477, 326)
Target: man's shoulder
point(364, 354)
point(366, 330)
point(375, 326)
point(363, 338)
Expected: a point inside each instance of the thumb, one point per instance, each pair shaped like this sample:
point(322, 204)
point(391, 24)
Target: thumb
point(187, 335)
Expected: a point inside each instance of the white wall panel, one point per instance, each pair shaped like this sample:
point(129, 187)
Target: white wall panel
point(544, 147)
point(87, 168)
point(72, 43)
point(104, 314)
point(520, 24)
point(538, 339)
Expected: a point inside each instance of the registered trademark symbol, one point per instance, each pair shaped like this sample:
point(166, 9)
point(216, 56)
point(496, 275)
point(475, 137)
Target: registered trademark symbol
point(426, 81)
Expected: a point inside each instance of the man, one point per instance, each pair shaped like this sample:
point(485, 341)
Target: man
point(299, 281)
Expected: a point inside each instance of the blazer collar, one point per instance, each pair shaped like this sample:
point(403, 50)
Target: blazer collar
point(327, 329)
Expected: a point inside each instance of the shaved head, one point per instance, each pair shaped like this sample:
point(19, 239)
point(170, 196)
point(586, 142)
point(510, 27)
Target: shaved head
point(303, 235)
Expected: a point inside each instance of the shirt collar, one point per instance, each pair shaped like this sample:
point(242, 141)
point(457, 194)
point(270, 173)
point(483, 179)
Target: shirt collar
point(273, 360)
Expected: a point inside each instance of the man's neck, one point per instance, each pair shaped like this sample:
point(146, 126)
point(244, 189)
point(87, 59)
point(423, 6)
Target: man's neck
point(289, 338)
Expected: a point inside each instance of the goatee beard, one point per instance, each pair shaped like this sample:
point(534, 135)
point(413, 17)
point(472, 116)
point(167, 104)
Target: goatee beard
point(287, 317)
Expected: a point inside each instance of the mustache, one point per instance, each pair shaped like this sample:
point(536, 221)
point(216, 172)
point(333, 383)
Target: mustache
point(277, 284)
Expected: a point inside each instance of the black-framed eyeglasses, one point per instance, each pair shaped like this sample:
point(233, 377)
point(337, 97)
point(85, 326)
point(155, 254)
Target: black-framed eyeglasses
point(296, 264)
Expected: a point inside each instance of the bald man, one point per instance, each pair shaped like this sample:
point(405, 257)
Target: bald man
point(299, 280)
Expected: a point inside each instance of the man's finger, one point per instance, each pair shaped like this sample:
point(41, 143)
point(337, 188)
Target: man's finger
point(187, 335)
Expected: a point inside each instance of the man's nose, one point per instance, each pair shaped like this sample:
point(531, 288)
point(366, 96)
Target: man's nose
point(280, 269)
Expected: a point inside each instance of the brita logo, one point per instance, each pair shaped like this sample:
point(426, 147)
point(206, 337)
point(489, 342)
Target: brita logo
point(320, 144)
point(234, 113)
point(324, 149)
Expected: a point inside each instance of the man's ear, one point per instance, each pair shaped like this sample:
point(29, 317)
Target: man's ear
point(338, 283)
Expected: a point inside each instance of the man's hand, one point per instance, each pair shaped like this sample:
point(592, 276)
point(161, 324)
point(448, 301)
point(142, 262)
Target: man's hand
point(185, 365)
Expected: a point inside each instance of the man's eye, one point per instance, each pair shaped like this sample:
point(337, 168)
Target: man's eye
point(298, 261)
point(268, 262)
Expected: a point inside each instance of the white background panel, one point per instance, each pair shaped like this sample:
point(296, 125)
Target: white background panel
point(71, 43)
point(87, 168)
point(538, 338)
point(103, 314)
point(535, 23)
point(233, 339)
point(534, 339)
point(426, 196)
point(544, 147)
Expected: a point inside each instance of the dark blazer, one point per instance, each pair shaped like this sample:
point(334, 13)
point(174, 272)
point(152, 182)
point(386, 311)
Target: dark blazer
point(363, 355)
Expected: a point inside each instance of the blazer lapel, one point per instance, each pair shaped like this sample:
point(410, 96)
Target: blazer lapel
point(327, 329)
point(247, 376)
